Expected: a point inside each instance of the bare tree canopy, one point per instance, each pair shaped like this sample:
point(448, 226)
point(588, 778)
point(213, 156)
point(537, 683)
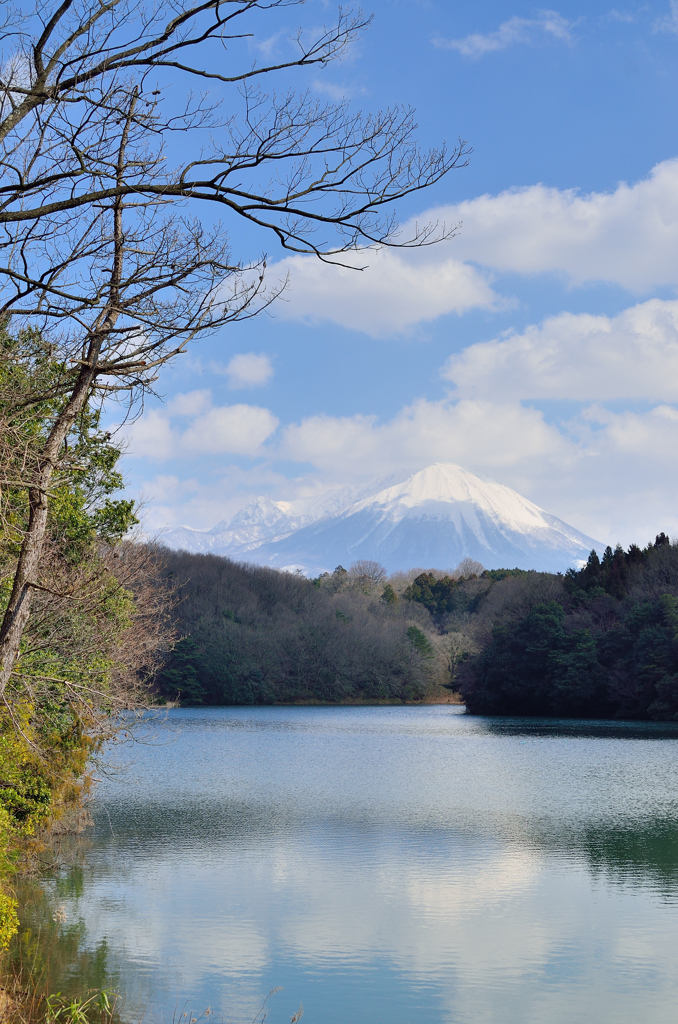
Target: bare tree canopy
point(367, 569)
point(467, 568)
point(284, 162)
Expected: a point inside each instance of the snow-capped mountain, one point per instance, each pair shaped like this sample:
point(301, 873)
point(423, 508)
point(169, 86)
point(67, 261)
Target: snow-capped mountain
point(264, 520)
point(433, 519)
point(257, 522)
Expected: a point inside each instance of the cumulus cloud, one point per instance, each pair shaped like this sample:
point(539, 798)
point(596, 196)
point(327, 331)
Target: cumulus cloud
point(234, 429)
point(247, 370)
point(487, 436)
point(515, 30)
point(211, 430)
point(189, 403)
point(669, 22)
point(394, 292)
point(150, 436)
point(578, 356)
point(627, 237)
point(635, 434)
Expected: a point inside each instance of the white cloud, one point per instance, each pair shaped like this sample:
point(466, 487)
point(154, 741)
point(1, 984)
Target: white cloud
point(515, 30)
point(669, 23)
point(651, 435)
point(189, 403)
point(626, 17)
point(247, 370)
point(337, 91)
point(485, 436)
point(234, 429)
point(218, 430)
point(150, 436)
point(269, 46)
point(578, 356)
point(394, 293)
point(627, 237)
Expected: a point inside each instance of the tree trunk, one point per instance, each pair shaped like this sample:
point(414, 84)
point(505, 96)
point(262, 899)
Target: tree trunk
point(19, 606)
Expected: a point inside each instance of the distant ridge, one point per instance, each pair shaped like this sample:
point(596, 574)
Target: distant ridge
point(434, 518)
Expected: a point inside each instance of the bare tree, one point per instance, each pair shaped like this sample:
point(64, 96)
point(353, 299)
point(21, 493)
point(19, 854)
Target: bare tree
point(367, 571)
point(100, 245)
point(71, 623)
point(468, 568)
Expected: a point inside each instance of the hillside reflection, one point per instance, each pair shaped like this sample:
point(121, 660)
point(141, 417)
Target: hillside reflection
point(642, 854)
point(570, 728)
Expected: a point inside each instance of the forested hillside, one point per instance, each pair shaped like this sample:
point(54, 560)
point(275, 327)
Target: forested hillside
point(598, 642)
point(254, 635)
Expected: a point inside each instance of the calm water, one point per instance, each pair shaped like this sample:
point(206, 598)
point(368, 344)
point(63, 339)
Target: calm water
point(392, 865)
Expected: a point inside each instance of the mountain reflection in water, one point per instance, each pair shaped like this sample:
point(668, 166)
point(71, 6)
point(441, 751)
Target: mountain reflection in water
point(389, 864)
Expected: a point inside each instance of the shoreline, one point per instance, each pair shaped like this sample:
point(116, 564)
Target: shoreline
point(453, 699)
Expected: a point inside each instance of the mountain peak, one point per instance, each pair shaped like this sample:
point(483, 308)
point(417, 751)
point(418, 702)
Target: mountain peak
point(446, 484)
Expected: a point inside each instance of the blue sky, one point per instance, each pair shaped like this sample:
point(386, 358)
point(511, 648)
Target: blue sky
point(539, 347)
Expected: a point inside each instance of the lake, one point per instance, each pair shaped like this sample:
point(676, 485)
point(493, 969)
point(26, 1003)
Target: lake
point(387, 864)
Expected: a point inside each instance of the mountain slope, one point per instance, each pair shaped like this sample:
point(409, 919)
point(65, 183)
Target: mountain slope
point(264, 520)
point(434, 518)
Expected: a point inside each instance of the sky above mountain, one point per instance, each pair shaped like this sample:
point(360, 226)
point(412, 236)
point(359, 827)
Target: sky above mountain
point(538, 346)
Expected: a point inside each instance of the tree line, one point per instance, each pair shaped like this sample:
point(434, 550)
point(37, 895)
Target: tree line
point(600, 641)
point(597, 642)
point(254, 635)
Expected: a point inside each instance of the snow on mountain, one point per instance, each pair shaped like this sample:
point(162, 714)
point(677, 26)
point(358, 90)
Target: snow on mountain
point(257, 522)
point(263, 520)
point(434, 518)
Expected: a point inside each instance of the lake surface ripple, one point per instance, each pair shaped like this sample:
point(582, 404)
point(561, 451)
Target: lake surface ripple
point(392, 865)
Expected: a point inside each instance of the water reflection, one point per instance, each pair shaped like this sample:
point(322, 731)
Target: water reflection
point(392, 864)
point(639, 857)
point(579, 728)
point(52, 953)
